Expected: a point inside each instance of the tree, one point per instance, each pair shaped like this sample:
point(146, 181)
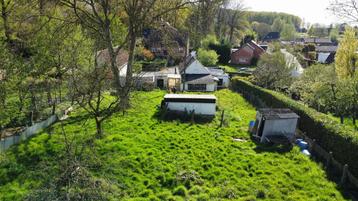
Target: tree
point(223, 50)
point(334, 34)
point(317, 87)
point(345, 60)
point(288, 32)
point(262, 29)
point(106, 20)
point(208, 40)
point(345, 9)
point(272, 72)
point(207, 57)
point(278, 25)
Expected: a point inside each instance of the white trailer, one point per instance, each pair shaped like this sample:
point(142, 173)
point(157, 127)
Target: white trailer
point(199, 104)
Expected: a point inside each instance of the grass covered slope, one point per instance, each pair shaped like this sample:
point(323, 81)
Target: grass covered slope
point(143, 158)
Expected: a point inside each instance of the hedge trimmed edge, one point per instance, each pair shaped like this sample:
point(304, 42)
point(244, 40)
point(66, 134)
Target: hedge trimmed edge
point(328, 132)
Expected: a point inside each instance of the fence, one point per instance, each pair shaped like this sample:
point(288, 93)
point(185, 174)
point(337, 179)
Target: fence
point(330, 163)
point(30, 131)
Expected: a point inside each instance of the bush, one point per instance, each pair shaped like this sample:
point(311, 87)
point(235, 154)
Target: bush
point(223, 50)
point(328, 132)
point(180, 190)
point(207, 57)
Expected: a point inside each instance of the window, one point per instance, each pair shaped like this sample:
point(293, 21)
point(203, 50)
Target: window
point(197, 87)
point(220, 83)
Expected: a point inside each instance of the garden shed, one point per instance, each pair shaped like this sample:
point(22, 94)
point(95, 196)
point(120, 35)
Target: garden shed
point(199, 104)
point(275, 122)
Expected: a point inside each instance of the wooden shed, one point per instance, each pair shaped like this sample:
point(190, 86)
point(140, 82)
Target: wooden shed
point(275, 122)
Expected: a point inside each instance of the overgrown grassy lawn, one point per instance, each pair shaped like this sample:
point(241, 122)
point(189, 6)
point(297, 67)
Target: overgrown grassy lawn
point(146, 159)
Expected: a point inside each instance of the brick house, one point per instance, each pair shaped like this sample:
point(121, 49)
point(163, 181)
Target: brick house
point(246, 54)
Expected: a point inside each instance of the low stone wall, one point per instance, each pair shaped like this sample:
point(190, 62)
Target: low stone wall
point(7, 142)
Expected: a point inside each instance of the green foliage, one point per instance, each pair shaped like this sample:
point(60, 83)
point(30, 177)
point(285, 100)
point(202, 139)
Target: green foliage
point(271, 17)
point(346, 58)
point(328, 132)
point(272, 72)
point(209, 40)
point(278, 25)
point(318, 30)
point(288, 32)
point(207, 57)
point(334, 34)
point(262, 29)
point(223, 50)
point(145, 159)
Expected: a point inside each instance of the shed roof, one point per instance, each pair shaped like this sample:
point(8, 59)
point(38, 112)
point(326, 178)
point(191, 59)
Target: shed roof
point(326, 48)
point(191, 96)
point(270, 113)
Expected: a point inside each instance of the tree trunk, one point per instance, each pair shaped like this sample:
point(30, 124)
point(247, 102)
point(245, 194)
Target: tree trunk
point(99, 132)
point(124, 96)
point(342, 119)
point(113, 57)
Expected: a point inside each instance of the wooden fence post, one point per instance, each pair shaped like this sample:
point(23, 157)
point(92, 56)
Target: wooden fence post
point(344, 175)
point(222, 118)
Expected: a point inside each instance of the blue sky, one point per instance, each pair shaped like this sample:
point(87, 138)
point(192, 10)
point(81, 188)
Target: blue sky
point(312, 11)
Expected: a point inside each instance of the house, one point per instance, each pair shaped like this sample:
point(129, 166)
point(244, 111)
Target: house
point(272, 36)
point(219, 73)
point(166, 78)
point(275, 122)
point(247, 54)
point(318, 41)
point(197, 77)
point(103, 60)
point(165, 42)
point(187, 103)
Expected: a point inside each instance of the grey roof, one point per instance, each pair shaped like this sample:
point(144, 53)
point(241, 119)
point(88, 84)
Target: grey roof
point(317, 40)
point(216, 71)
point(326, 48)
point(270, 113)
point(199, 78)
point(190, 96)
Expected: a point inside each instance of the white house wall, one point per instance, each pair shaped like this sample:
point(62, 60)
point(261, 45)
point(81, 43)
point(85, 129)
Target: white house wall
point(198, 108)
point(225, 78)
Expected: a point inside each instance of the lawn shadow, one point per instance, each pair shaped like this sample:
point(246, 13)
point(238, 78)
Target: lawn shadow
point(270, 147)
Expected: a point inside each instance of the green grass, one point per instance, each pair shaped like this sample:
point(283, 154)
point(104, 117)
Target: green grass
point(236, 68)
point(229, 68)
point(147, 159)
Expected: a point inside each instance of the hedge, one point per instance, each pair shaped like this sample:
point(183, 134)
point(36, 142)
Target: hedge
point(328, 132)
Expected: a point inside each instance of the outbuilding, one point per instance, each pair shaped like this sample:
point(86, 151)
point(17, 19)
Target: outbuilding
point(275, 122)
point(199, 104)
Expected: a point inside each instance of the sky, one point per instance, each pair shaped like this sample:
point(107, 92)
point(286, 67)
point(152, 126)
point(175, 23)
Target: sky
point(312, 11)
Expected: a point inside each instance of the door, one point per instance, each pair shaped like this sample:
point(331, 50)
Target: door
point(160, 83)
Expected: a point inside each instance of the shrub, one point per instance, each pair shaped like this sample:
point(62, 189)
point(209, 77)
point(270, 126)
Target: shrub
point(209, 39)
point(328, 132)
point(224, 52)
point(207, 57)
point(180, 190)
